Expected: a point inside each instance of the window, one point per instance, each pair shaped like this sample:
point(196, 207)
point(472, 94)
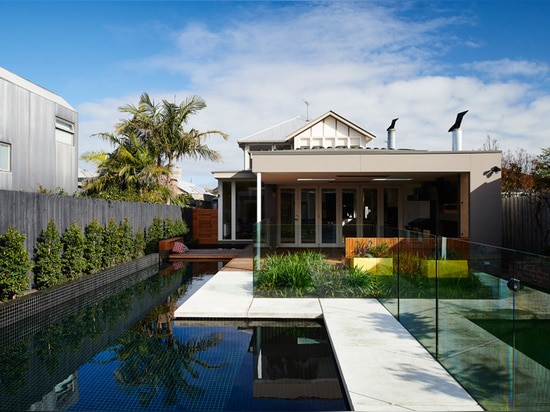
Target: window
point(64, 131)
point(245, 211)
point(5, 157)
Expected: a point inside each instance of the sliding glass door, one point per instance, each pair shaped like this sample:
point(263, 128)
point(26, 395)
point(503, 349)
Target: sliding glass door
point(320, 216)
point(287, 215)
point(308, 202)
point(328, 213)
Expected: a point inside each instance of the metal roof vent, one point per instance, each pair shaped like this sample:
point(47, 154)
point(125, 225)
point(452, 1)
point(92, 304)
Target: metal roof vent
point(391, 135)
point(457, 131)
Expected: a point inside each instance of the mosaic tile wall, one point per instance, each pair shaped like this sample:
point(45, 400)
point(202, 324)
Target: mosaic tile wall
point(52, 304)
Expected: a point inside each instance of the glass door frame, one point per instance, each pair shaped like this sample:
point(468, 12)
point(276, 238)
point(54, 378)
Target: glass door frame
point(359, 207)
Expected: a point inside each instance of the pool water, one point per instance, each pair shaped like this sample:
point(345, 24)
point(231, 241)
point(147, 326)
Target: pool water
point(126, 353)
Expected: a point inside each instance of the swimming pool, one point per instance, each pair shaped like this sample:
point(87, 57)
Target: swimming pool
point(125, 352)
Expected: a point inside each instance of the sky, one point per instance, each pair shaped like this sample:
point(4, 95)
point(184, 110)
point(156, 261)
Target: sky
point(257, 63)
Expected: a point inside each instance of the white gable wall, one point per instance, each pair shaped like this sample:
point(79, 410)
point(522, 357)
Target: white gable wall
point(329, 133)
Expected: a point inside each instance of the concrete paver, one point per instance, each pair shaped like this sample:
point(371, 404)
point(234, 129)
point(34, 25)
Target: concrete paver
point(226, 295)
point(383, 367)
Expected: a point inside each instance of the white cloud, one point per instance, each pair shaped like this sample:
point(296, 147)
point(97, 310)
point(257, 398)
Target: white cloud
point(357, 59)
point(507, 68)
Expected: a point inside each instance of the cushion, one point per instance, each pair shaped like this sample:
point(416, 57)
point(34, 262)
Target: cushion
point(179, 247)
point(178, 265)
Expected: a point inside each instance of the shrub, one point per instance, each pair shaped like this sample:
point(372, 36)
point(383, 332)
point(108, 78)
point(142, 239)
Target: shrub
point(58, 259)
point(173, 228)
point(181, 228)
point(169, 228)
point(154, 233)
point(14, 265)
point(112, 244)
point(291, 272)
point(127, 240)
point(47, 258)
point(360, 280)
point(73, 263)
point(139, 244)
point(93, 249)
point(345, 282)
point(309, 273)
point(409, 263)
point(366, 249)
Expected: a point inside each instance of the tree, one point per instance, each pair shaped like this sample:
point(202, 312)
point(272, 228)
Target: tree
point(148, 144)
point(516, 167)
point(490, 144)
point(516, 171)
point(130, 172)
point(526, 175)
point(161, 126)
point(529, 176)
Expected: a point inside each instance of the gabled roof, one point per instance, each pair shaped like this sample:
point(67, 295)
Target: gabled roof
point(86, 174)
point(192, 189)
point(368, 135)
point(32, 87)
point(277, 133)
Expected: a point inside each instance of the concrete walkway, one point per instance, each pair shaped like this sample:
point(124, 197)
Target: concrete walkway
point(383, 367)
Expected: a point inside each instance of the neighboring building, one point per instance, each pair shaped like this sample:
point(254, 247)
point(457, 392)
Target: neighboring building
point(319, 182)
point(38, 138)
point(84, 176)
point(199, 197)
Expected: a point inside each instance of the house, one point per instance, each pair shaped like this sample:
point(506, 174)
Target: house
point(198, 197)
point(320, 181)
point(38, 138)
point(84, 176)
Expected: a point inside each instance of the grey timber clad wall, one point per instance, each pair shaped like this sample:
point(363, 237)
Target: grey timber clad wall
point(27, 122)
point(30, 213)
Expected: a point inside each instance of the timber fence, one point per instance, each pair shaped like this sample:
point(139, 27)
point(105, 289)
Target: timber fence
point(29, 213)
point(519, 227)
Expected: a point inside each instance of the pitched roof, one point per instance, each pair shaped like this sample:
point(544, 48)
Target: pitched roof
point(85, 174)
point(192, 189)
point(287, 130)
point(277, 133)
point(32, 87)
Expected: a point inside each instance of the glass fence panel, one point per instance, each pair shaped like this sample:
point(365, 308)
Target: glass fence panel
point(526, 331)
point(418, 286)
point(529, 332)
point(470, 293)
point(482, 311)
point(376, 256)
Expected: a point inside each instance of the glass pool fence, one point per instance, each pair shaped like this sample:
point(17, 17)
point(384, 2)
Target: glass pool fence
point(482, 311)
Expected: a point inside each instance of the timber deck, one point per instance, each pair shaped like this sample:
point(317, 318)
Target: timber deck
point(238, 259)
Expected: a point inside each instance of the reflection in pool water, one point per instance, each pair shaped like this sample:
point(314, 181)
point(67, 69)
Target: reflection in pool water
point(127, 353)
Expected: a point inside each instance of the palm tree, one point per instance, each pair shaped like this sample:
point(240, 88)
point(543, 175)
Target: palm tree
point(167, 367)
point(161, 128)
point(128, 173)
point(146, 147)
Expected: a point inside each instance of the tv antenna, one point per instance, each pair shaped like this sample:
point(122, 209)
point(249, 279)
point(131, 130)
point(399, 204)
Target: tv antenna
point(307, 111)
